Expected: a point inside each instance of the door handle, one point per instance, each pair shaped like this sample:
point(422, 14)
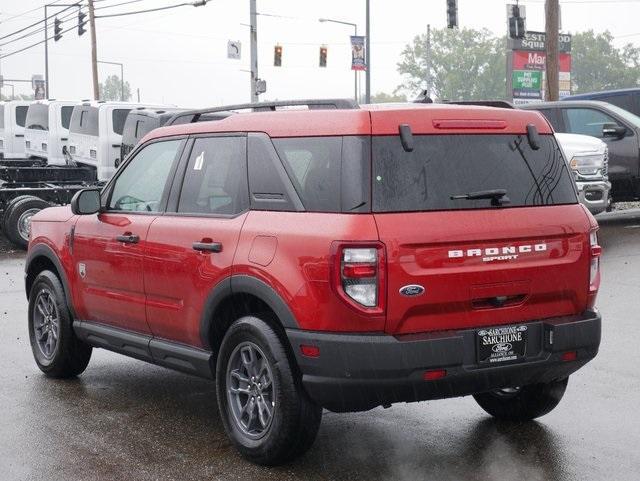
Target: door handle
point(128, 238)
point(207, 246)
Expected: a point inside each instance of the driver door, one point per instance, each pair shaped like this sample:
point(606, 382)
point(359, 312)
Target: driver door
point(108, 247)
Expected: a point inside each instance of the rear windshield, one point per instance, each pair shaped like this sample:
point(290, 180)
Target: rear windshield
point(38, 117)
point(84, 120)
point(65, 116)
point(119, 116)
point(442, 166)
point(21, 114)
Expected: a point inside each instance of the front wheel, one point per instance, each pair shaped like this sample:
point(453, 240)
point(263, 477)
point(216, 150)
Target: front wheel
point(265, 411)
point(522, 403)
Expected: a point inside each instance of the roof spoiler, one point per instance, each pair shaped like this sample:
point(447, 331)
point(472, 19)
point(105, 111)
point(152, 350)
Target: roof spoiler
point(501, 104)
point(226, 110)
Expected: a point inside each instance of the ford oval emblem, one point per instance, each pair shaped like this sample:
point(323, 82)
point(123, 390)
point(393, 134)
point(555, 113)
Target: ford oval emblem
point(412, 290)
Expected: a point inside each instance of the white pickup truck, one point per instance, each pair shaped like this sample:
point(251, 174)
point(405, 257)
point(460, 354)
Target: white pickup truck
point(588, 158)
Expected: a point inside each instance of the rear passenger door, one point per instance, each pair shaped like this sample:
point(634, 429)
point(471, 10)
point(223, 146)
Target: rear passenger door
point(191, 248)
point(623, 153)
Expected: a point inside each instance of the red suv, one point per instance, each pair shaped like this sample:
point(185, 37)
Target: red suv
point(341, 258)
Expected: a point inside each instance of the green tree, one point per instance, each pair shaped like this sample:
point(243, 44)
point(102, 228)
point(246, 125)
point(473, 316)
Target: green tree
point(598, 65)
point(383, 97)
point(110, 89)
point(465, 64)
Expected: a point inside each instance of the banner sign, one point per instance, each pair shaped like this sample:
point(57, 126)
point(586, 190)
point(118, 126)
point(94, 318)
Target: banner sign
point(358, 61)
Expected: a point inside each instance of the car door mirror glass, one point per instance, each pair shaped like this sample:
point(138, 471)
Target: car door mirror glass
point(85, 202)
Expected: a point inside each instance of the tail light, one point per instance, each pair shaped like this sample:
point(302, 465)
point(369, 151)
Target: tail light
point(359, 275)
point(594, 269)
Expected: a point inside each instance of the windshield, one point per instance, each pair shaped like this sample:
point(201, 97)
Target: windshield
point(444, 166)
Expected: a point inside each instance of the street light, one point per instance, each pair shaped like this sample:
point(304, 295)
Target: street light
point(121, 76)
point(355, 29)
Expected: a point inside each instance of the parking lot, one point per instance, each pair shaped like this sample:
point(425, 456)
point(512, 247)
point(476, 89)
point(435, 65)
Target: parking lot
point(125, 419)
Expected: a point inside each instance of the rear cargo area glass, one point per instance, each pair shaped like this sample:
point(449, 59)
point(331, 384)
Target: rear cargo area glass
point(441, 166)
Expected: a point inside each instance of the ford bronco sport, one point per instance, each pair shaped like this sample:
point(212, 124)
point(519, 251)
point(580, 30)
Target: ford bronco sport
point(341, 258)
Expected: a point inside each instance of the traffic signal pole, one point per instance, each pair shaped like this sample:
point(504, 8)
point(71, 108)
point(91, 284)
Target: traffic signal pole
point(46, 55)
point(551, 30)
point(367, 53)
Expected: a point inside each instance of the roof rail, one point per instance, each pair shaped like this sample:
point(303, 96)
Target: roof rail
point(226, 110)
point(502, 104)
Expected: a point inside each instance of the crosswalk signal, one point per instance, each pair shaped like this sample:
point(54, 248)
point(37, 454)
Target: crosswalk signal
point(323, 56)
point(277, 56)
point(57, 29)
point(516, 24)
point(81, 22)
point(452, 13)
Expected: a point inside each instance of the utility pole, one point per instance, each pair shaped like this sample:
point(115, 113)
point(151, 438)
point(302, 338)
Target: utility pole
point(551, 33)
point(253, 20)
point(367, 54)
point(94, 51)
point(46, 55)
point(428, 60)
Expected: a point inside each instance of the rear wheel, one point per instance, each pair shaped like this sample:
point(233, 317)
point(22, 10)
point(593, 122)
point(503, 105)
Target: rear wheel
point(17, 218)
point(522, 403)
point(265, 411)
point(56, 349)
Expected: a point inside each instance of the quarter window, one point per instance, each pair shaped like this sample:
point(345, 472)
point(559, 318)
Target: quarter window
point(119, 116)
point(21, 115)
point(216, 177)
point(65, 115)
point(141, 185)
point(587, 121)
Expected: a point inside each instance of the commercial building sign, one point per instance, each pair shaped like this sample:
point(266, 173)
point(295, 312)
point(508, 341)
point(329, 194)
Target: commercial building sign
point(527, 65)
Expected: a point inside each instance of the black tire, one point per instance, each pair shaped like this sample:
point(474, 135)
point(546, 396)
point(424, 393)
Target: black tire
point(8, 208)
point(525, 403)
point(296, 418)
point(19, 212)
point(70, 356)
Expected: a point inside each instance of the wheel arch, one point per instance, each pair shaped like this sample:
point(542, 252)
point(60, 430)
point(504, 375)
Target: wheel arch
point(241, 295)
point(42, 257)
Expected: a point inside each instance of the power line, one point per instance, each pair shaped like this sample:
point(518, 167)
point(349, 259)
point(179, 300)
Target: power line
point(122, 14)
point(36, 44)
point(119, 4)
point(18, 15)
point(38, 22)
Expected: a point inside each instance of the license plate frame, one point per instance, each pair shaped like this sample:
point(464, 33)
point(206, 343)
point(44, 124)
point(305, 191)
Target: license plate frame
point(501, 344)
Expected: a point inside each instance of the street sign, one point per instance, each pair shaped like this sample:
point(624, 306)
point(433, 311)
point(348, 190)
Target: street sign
point(358, 59)
point(234, 49)
point(261, 86)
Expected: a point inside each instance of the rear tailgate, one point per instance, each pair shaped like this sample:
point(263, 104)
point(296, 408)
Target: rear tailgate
point(484, 267)
point(479, 217)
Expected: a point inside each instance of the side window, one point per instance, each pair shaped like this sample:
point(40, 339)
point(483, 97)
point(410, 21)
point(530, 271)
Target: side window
point(21, 115)
point(587, 121)
point(119, 116)
point(141, 184)
point(625, 101)
point(65, 115)
point(313, 163)
point(216, 178)
point(553, 118)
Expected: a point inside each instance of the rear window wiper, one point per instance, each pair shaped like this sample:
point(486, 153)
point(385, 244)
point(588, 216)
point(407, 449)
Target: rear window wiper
point(498, 196)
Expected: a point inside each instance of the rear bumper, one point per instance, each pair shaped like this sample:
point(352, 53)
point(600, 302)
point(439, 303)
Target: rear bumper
point(356, 372)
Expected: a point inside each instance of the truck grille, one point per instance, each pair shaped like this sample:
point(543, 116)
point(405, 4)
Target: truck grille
point(605, 164)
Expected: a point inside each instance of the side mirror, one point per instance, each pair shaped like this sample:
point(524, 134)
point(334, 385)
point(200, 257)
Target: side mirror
point(613, 130)
point(85, 202)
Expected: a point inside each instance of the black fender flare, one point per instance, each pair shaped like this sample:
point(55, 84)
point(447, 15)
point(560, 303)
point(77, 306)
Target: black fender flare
point(43, 250)
point(243, 284)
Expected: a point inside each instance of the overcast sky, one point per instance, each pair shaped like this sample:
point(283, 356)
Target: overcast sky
point(179, 56)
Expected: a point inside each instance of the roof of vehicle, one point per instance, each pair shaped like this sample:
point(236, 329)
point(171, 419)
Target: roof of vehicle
point(378, 119)
point(602, 93)
point(564, 105)
point(113, 103)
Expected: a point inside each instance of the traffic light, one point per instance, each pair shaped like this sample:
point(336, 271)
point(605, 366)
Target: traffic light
point(57, 29)
point(452, 13)
point(323, 56)
point(277, 56)
point(517, 27)
point(81, 22)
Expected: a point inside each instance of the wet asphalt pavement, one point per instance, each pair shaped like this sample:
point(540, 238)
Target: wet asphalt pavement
point(127, 420)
